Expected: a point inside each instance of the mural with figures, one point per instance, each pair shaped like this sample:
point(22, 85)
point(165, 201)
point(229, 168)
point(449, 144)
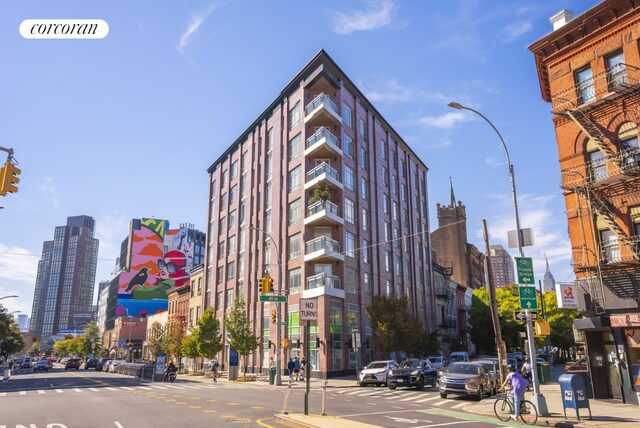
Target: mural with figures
point(151, 274)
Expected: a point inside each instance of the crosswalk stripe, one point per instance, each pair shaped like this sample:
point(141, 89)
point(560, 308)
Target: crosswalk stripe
point(41, 391)
point(59, 391)
point(427, 399)
point(111, 389)
point(440, 403)
point(457, 406)
point(175, 387)
point(2, 394)
point(353, 392)
point(342, 391)
point(158, 387)
point(22, 393)
point(95, 389)
point(145, 388)
point(77, 389)
point(128, 388)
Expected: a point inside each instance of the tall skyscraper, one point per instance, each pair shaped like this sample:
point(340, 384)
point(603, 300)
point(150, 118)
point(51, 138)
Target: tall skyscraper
point(23, 322)
point(65, 279)
point(548, 281)
point(322, 193)
point(501, 266)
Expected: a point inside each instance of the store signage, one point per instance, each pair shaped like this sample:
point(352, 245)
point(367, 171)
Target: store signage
point(625, 320)
point(566, 295)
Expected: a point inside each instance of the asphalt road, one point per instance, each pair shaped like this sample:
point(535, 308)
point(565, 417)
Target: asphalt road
point(89, 399)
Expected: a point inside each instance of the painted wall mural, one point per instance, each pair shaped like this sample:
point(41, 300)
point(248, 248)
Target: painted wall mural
point(143, 288)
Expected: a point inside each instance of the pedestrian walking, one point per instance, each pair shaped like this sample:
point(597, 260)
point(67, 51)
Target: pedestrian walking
point(291, 367)
point(296, 368)
point(214, 370)
point(303, 368)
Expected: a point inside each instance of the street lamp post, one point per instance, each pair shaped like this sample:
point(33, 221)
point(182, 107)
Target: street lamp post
point(7, 297)
point(278, 379)
point(537, 397)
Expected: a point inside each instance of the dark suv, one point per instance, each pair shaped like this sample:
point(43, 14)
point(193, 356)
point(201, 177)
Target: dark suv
point(72, 363)
point(91, 363)
point(100, 364)
point(412, 372)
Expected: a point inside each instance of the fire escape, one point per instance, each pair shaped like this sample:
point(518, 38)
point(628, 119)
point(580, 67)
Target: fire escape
point(606, 177)
point(447, 324)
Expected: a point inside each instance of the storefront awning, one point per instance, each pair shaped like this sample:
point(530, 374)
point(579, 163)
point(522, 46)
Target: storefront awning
point(625, 320)
point(594, 323)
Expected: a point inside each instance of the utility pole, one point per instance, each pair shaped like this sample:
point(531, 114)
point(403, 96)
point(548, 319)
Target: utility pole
point(502, 351)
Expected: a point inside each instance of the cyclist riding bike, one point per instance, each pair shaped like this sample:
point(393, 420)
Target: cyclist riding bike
point(518, 385)
point(169, 372)
point(526, 370)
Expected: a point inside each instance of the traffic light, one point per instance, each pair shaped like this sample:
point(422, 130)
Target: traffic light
point(266, 285)
point(261, 285)
point(284, 343)
point(274, 316)
point(9, 178)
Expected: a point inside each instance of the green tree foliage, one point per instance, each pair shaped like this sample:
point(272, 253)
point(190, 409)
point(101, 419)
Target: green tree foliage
point(238, 330)
point(172, 339)
point(189, 346)
point(482, 332)
point(11, 340)
point(560, 322)
point(392, 324)
point(35, 349)
point(425, 343)
point(91, 344)
point(156, 334)
point(208, 336)
point(508, 302)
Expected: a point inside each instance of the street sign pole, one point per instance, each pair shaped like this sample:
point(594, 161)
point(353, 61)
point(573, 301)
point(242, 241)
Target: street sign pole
point(307, 360)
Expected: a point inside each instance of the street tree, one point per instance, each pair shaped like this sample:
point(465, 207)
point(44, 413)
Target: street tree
point(392, 323)
point(482, 331)
point(508, 301)
point(156, 335)
point(238, 331)
point(35, 349)
point(11, 340)
point(92, 338)
point(208, 335)
point(172, 340)
point(61, 348)
point(560, 323)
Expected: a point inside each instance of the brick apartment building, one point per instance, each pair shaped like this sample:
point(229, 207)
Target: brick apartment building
point(589, 70)
point(321, 187)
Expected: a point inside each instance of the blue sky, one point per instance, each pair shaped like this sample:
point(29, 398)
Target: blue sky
point(125, 127)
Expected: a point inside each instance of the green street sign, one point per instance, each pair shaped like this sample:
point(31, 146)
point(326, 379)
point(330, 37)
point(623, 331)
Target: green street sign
point(528, 297)
point(270, 298)
point(524, 266)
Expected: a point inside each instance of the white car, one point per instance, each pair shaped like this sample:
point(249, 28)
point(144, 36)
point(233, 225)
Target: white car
point(376, 372)
point(114, 364)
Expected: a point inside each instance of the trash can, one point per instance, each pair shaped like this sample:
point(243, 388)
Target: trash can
point(272, 375)
point(544, 374)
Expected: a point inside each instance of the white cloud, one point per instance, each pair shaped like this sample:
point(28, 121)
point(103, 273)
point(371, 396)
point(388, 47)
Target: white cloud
point(111, 230)
point(390, 90)
point(18, 264)
point(517, 29)
point(193, 26)
point(493, 162)
point(444, 121)
point(49, 189)
point(378, 15)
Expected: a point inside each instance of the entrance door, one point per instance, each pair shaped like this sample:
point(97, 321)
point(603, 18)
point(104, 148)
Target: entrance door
point(614, 376)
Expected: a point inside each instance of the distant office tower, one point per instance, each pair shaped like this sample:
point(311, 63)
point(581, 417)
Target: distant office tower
point(548, 282)
point(65, 279)
point(23, 322)
point(501, 266)
point(101, 286)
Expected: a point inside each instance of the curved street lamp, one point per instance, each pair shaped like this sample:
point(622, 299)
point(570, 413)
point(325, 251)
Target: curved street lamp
point(7, 297)
point(537, 397)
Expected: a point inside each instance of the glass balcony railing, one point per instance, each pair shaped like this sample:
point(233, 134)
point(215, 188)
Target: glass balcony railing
point(323, 243)
point(321, 100)
point(321, 133)
point(323, 168)
point(323, 280)
point(323, 206)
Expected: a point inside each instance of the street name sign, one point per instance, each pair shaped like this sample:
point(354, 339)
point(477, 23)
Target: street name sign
point(524, 266)
point(269, 298)
point(308, 310)
point(522, 315)
point(528, 297)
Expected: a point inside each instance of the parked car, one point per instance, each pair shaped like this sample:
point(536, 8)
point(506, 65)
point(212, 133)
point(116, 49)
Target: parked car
point(459, 356)
point(100, 364)
point(465, 379)
point(106, 365)
point(412, 372)
point(41, 364)
point(436, 361)
point(91, 363)
point(114, 364)
point(72, 363)
point(375, 372)
point(493, 371)
point(26, 363)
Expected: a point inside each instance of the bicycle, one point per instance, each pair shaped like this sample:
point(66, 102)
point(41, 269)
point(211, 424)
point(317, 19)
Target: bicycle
point(503, 409)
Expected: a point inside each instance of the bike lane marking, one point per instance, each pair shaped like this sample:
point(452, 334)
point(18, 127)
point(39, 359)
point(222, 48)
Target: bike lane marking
point(469, 417)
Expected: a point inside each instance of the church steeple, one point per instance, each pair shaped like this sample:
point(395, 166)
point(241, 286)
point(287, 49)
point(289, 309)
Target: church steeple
point(453, 197)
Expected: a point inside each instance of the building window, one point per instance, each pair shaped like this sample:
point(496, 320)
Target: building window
point(348, 146)
point(233, 194)
point(241, 240)
point(396, 210)
point(364, 188)
point(349, 211)
point(221, 252)
point(628, 137)
point(232, 219)
point(384, 149)
point(634, 213)
point(231, 248)
point(244, 162)
point(243, 186)
point(295, 283)
point(294, 178)
point(385, 176)
point(240, 269)
point(610, 247)
point(267, 196)
point(234, 170)
point(199, 286)
point(231, 271)
point(394, 184)
point(242, 213)
point(389, 288)
point(229, 298)
point(294, 115)
point(225, 179)
point(366, 281)
point(335, 327)
point(352, 281)
point(223, 202)
point(362, 128)
point(295, 249)
point(295, 211)
point(387, 261)
point(222, 225)
point(386, 203)
point(366, 251)
point(350, 244)
point(349, 179)
point(269, 165)
point(387, 231)
point(347, 115)
point(295, 146)
point(597, 165)
point(616, 69)
point(584, 85)
point(364, 159)
point(366, 220)
point(220, 275)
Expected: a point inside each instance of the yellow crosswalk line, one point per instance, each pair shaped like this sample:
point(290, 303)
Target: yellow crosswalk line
point(209, 411)
point(181, 402)
point(258, 407)
point(195, 407)
point(212, 401)
point(233, 404)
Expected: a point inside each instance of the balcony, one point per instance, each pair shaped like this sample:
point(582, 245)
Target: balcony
point(323, 249)
point(323, 143)
point(602, 172)
point(606, 86)
point(322, 111)
point(323, 284)
point(323, 173)
point(323, 213)
point(620, 252)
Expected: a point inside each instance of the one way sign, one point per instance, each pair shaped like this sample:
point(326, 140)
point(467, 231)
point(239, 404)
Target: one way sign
point(522, 315)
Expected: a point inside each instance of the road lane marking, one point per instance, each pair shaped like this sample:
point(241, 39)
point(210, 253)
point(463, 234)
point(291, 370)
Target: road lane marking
point(77, 389)
point(353, 392)
point(158, 387)
point(2, 394)
point(209, 411)
point(22, 393)
point(181, 402)
point(258, 407)
point(145, 388)
point(128, 388)
point(428, 399)
point(175, 387)
point(195, 398)
point(94, 389)
point(41, 391)
point(413, 397)
point(446, 424)
point(440, 403)
point(118, 424)
point(195, 407)
point(233, 404)
point(212, 401)
point(111, 389)
point(457, 406)
point(59, 391)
